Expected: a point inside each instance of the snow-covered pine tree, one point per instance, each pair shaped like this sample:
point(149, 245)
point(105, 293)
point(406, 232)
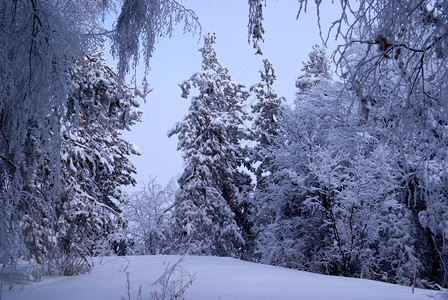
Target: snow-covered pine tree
point(33, 87)
point(316, 69)
point(210, 137)
point(95, 157)
point(41, 41)
point(267, 111)
point(94, 164)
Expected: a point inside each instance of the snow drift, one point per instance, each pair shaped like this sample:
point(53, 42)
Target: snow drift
point(213, 278)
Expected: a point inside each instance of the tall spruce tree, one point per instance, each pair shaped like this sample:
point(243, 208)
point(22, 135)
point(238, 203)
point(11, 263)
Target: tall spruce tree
point(95, 157)
point(266, 130)
point(210, 135)
point(267, 112)
point(94, 165)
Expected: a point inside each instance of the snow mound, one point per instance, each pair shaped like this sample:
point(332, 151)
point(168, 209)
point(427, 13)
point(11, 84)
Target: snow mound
point(213, 278)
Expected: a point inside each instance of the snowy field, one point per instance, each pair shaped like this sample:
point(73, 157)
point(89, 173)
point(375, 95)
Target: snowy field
point(213, 278)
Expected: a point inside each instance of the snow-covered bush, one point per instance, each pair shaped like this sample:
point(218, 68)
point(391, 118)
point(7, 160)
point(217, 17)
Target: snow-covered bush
point(322, 209)
point(149, 215)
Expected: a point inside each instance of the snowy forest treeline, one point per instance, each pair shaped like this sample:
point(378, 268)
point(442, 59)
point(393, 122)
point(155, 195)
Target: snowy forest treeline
point(350, 179)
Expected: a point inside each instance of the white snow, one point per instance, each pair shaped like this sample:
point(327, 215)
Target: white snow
point(215, 278)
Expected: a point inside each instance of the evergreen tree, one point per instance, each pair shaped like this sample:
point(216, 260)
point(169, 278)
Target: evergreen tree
point(41, 41)
point(210, 137)
point(94, 164)
point(267, 111)
point(95, 157)
point(316, 69)
point(265, 130)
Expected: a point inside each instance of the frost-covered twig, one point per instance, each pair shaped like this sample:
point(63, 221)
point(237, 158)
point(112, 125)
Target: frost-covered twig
point(173, 288)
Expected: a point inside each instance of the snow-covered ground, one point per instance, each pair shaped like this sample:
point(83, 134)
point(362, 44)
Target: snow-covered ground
point(215, 278)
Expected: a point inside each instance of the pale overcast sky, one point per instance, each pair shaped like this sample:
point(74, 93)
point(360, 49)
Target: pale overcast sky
point(287, 43)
